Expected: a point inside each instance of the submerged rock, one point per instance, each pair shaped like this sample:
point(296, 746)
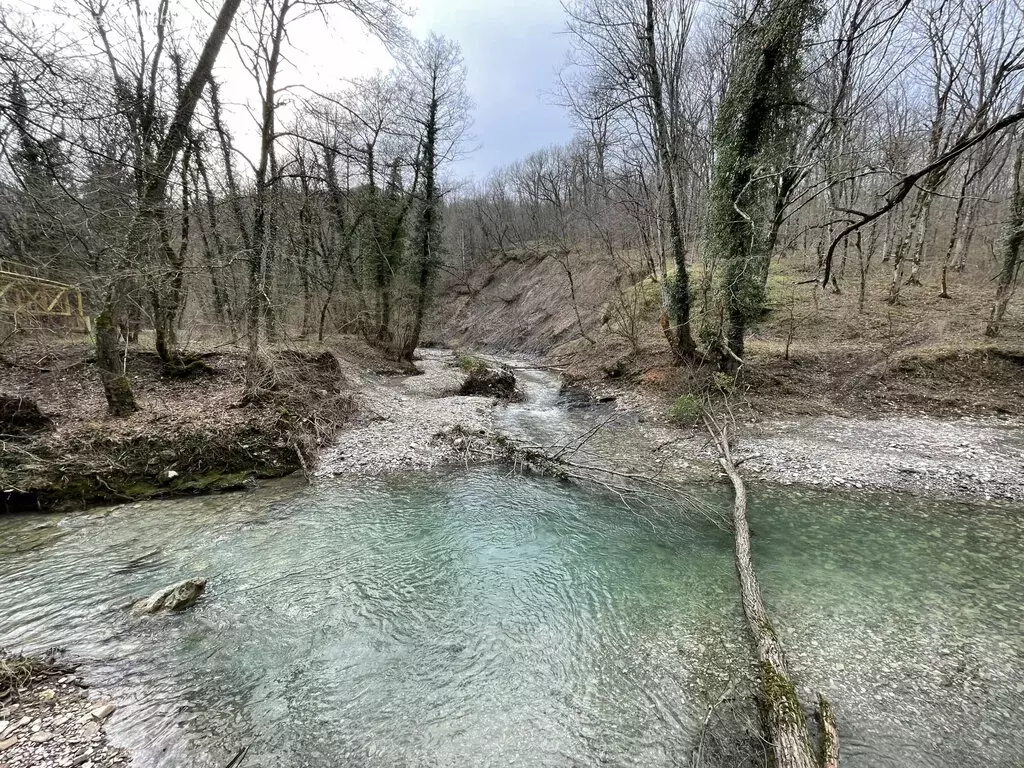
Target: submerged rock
point(176, 597)
point(490, 382)
point(574, 396)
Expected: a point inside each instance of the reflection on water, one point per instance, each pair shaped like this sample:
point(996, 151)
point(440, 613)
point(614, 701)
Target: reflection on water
point(478, 619)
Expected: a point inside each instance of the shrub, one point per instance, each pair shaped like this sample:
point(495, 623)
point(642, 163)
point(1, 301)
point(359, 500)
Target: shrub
point(468, 363)
point(725, 382)
point(686, 410)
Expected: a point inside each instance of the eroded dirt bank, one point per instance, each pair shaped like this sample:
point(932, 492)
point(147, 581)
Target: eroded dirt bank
point(191, 435)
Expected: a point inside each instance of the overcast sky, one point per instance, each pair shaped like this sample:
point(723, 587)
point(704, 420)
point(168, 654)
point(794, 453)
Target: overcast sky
point(513, 50)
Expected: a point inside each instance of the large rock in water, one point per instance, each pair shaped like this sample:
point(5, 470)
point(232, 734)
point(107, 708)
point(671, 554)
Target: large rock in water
point(490, 382)
point(176, 597)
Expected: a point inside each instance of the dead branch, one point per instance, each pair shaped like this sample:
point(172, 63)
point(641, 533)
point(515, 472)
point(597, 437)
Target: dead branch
point(561, 462)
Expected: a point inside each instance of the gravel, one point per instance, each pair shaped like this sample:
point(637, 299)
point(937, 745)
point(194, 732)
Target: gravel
point(399, 417)
point(54, 724)
point(967, 458)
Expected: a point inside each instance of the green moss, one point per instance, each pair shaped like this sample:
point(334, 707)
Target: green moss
point(826, 714)
point(468, 363)
point(86, 490)
point(685, 410)
point(211, 482)
point(780, 695)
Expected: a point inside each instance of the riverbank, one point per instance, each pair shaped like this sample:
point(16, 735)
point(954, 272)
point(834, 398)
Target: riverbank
point(397, 418)
point(48, 719)
point(195, 436)
point(191, 435)
point(967, 458)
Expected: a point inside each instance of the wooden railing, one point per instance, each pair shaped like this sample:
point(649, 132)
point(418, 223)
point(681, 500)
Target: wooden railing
point(26, 297)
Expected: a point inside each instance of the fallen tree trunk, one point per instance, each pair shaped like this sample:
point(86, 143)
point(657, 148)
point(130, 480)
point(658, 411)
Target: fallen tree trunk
point(783, 714)
point(784, 722)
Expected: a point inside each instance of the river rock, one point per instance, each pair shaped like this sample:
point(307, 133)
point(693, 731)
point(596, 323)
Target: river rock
point(574, 396)
point(176, 597)
point(103, 711)
point(490, 382)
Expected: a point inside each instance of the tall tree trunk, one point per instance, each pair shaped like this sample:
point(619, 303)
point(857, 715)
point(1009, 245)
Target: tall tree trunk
point(1011, 248)
point(213, 245)
point(680, 299)
point(111, 364)
point(167, 290)
point(116, 386)
point(427, 231)
point(904, 248)
point(753, 122)
point(921, 240)
point(954, 234)
point(261, 255)
point(864, 264)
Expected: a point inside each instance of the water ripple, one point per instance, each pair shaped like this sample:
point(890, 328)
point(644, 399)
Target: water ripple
point(478, 619)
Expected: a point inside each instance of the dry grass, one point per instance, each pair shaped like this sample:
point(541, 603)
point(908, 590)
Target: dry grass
point(17, 672)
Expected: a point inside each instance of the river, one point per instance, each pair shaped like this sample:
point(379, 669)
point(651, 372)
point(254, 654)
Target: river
point(478, 618)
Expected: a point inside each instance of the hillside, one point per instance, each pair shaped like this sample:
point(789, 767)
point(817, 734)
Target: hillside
point(815, 352)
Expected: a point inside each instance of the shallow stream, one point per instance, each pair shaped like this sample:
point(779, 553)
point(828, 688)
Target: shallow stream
point(472, 618)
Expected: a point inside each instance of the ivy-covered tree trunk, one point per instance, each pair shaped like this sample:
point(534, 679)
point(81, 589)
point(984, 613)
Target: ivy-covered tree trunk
point(753, 138)
point(166, 296)
point(443, 115)
point(1011, 248)
point(116, 386)
point(427, 230)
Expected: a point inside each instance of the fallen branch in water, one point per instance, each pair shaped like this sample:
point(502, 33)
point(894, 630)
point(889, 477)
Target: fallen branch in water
point(240, 756)
point(560, 462)
point(783, 714)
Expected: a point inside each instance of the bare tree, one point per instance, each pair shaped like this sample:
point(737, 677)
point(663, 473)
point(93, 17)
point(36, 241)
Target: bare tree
point(145, 231)
point(441, 113)
point(1014, 239)
point(634, 55)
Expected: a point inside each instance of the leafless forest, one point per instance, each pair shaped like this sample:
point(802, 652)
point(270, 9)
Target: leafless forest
point(869, 140)
point(736, 166)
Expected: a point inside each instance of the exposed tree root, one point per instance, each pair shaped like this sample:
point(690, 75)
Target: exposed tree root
point(16, 671)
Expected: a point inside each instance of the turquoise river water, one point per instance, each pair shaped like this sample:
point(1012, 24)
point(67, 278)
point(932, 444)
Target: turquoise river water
point(473, 618)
